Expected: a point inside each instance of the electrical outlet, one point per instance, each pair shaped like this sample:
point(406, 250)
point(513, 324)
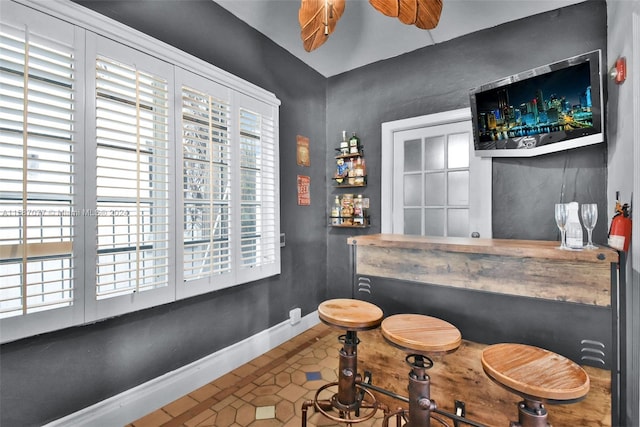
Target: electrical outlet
point(294, 316)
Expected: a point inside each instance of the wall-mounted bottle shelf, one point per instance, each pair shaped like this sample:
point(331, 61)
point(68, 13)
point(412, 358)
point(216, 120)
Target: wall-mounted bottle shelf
point(348, 222)
point(349, 155)
point(350, 182)
point(349, 211)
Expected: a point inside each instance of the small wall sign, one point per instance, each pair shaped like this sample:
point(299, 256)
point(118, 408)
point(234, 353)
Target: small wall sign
point(302, 155)
point(304, 193)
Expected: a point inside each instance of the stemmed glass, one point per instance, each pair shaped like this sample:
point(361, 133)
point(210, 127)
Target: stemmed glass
point(589, 218)
point(561, 222)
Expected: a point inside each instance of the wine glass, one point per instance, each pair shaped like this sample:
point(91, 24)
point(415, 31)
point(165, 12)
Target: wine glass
point(589, 218)
point(561, 222)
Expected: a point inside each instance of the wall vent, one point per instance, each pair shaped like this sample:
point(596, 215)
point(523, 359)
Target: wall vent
point(593, 351)
point(364, 285)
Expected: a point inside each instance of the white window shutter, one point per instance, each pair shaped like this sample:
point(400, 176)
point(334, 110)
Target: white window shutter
point(259, 233)
point(132, 180)
point(39, 121)
point(132, 218)
point(206, 184)
point(230, 199)
point(36, 235)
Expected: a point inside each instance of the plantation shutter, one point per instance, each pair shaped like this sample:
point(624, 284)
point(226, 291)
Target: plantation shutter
point(230, 187)
point(37, 148)
point(132, 173)
point(259, 198)
point(207, 185)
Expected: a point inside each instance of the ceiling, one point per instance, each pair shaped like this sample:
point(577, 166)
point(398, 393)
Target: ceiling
point(363, 35)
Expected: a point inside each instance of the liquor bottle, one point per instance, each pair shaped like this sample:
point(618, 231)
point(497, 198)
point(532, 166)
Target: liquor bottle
point(344, 144)
point(359, 171)
point(351, 173)
point(336, 210)
point(574, 228)
point(354, 144)
point(347, 209)
point(358, 211)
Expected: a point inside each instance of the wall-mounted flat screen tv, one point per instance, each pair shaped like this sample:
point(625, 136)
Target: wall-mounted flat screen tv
point(550, 108)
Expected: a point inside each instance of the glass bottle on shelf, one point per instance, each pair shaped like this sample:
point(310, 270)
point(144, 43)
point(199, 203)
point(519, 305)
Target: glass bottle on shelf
point(358, 211)
point(347, 209)
point(359, 172)
point(351, 173)
point(574, 228)
point(336, 212)
point(344, 144)
point(354, 144)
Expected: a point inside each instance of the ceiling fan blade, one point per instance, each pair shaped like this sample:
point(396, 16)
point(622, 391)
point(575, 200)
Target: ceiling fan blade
point(408, 11)
point(386, 7)
point(318, 19)
point(428, 13)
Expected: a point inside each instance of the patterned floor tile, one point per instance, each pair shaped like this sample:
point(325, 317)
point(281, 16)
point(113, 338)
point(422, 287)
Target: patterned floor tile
point(265, 412)
point(313, 376)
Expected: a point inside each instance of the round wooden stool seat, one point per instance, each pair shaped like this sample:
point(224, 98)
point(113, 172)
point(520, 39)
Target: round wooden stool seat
point(421, 334)
point(350, 314)
point(534, 372)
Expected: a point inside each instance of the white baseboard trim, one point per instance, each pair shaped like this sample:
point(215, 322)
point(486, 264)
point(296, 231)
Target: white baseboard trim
point(141, 400)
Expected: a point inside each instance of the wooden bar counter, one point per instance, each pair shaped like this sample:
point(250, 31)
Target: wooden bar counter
point(528, 268)
point(498, 290)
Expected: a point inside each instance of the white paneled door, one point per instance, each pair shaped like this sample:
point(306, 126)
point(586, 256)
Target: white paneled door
point(440, 188)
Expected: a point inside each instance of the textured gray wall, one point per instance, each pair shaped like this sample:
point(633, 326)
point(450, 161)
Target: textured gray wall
point(49, 376)
point(438, 78)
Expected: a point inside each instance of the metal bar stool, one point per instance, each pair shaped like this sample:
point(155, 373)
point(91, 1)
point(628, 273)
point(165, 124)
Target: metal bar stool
point(538, 376)
point(349, 315)
point(419, 335)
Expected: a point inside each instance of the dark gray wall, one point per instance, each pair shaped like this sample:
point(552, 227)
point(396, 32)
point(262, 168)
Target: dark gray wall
point(49, 376)
point(437, 78)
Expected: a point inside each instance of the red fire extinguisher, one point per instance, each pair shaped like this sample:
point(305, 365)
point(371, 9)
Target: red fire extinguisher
point(620, 230)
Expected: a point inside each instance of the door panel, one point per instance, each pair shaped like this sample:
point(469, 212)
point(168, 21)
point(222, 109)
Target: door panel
point(442, 188)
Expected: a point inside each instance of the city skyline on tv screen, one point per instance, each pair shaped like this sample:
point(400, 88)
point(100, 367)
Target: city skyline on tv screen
point(557, 101)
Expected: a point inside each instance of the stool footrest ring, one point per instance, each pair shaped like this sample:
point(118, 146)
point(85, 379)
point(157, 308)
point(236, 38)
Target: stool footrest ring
point(323, 406)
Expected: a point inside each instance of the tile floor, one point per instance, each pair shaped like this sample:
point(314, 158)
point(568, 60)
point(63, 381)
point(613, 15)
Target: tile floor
point(267, 391)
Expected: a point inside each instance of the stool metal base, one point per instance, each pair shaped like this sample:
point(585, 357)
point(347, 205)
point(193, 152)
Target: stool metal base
point(348, 414)
point(531, 413)
point(420, 403)
point(350, 397)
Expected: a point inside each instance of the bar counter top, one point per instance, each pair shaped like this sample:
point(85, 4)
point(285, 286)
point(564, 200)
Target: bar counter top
point(507, 247)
